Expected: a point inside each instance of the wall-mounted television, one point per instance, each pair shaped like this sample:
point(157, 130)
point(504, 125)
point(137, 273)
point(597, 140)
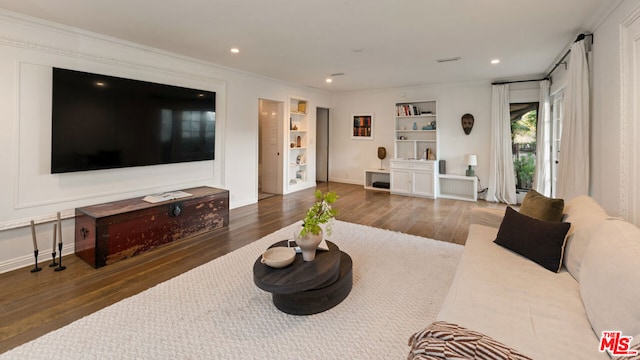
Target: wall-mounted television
point(106, 122)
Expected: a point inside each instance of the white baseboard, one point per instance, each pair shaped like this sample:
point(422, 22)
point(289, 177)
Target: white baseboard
point(27, 261)
point(347, 181)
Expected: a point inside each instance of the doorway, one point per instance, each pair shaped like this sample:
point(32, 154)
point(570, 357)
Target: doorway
point(270, 115)
point(322, 144)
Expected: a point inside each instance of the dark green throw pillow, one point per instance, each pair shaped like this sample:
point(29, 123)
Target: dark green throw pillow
point(540, 207)
point(540, 241)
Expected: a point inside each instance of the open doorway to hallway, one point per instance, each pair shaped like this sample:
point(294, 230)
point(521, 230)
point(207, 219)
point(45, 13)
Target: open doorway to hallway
point(270, 171)
point(322, 144)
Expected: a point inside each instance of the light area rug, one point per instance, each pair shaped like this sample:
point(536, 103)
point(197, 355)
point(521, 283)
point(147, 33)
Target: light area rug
point(216, 312)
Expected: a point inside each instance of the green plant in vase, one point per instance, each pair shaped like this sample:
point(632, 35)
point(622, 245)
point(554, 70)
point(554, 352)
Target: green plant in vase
point(320, 213)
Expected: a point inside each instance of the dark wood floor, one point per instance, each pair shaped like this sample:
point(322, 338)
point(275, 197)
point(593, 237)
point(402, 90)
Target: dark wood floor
point(34, 304)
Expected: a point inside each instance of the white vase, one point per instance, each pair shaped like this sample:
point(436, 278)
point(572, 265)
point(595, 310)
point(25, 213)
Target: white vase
point(308, 244)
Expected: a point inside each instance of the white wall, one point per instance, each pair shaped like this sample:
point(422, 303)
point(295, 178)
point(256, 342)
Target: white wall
point(349, 158)
point(30, 48)
point(606, 166)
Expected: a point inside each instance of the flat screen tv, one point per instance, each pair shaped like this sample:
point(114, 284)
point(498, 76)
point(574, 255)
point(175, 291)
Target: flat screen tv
point(105, 122)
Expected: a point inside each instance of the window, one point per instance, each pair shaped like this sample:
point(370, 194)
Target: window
point(524, 120)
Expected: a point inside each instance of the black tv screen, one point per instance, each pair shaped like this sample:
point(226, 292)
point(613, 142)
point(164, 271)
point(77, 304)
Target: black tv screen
point(105, 122)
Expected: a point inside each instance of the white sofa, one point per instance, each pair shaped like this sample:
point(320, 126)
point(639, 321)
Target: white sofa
point(540, 313)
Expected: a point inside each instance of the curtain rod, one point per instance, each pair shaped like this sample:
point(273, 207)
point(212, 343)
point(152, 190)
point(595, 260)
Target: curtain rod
point(516, 81)
point(580, 37)
point(548, 76)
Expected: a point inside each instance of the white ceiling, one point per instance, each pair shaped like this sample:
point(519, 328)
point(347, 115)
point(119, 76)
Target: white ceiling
point(375, 43)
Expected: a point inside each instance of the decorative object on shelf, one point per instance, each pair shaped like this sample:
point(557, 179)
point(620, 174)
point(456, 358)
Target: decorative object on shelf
point(298, 141)
point(430, 154)
point(415, 125)
point(442, 166)
point(302, 107)
point(35, 247)
point(467, 123)
point(310, 236)
point(470, 160)
point(382, 153)
point(295, 127)
point(433, 125)
point(362, 127)
point(293, 145)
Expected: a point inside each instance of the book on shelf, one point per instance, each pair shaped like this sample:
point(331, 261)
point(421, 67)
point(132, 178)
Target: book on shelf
point(171, 195)
point(407, 110)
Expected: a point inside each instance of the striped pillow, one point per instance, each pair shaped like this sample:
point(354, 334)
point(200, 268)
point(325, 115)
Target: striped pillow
point(443, 340)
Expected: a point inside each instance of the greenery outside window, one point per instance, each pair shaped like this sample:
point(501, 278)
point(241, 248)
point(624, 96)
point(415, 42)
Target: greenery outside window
point(524, 121)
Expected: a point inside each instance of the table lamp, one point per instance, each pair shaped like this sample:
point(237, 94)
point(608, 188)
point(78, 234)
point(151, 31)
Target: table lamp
point(470, 160)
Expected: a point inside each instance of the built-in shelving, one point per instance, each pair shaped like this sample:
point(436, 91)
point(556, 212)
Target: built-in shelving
point(416, 130)
point(377, 179)
point(413, 169)
point(458, 187)
point(298, 152)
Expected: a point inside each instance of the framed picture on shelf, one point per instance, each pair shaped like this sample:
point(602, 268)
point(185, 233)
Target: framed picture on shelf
point(362, 126)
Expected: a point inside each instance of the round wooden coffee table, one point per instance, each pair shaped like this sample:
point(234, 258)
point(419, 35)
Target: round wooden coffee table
point(307, 287)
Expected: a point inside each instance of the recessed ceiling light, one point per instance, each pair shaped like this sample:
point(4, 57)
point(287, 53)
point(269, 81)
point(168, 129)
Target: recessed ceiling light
point(495, 61)
point(100, 84)
point(328, 80)
point(235, 50)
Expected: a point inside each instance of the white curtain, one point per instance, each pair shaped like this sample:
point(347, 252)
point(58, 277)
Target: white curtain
point(573, 162)
point(502, 182)
point(542, 178)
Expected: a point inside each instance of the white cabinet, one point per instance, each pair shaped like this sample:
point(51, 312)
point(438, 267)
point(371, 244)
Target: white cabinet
point(298, 136)
point(414, 177)
point(422, 183)
point(400, 181)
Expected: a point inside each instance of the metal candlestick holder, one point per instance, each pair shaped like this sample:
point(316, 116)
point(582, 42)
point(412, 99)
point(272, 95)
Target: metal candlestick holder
point(53, 251)
point(60, 267)
point(53, 261)
point(36, 268)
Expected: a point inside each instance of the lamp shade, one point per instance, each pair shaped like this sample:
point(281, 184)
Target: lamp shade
point(470, 160)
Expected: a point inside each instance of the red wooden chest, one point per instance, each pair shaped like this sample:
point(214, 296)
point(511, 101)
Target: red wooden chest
point(109, 232)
